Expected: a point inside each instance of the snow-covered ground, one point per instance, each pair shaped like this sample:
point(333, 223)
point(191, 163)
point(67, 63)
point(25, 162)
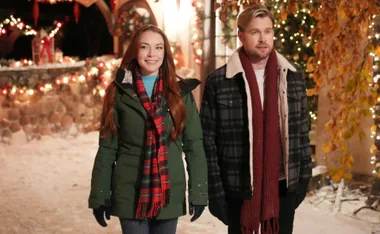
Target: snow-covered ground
point(44, 186)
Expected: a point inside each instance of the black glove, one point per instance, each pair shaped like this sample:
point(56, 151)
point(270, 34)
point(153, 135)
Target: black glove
point(99, 214)
point(218, 208)
point(197, 210)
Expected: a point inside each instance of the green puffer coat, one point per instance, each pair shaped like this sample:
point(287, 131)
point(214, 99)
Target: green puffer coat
point(118, 163)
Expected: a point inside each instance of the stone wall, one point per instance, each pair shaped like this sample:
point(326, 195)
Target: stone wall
point(63, 111)
point(67, 112)
point(33, 75)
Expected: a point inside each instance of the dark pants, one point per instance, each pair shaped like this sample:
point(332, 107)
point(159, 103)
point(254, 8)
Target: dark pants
point(286, 219)
point(151, 226)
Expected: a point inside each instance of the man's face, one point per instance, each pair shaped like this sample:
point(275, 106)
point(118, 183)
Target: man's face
point(257, 38)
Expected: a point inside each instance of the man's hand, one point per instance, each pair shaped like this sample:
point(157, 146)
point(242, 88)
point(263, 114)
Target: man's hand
point(219, 208)
point(301, 192)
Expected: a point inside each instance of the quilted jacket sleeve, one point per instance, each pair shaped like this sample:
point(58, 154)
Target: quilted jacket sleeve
point(101, 179)
point(195, 155)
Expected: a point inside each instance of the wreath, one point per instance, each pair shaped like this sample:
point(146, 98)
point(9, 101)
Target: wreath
point(132, 20)
point(227, 14)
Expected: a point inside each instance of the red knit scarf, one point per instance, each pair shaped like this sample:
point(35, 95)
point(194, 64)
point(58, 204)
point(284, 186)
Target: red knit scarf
point(155, 184)
point(263, 209)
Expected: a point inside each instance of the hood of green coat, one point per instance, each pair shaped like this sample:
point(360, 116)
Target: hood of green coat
point(124, 80)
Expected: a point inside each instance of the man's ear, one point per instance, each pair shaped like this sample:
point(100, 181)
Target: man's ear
point(241, 36)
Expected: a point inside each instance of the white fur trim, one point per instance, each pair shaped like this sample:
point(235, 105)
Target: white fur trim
point(128, 78)
point(249, 108)
point(283, 114)
point(234, 67)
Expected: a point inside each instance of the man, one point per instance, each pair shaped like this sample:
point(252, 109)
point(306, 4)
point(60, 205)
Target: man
point(255, 125)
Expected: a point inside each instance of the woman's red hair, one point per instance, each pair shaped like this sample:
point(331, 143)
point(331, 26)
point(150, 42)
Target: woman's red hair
point(171, 87)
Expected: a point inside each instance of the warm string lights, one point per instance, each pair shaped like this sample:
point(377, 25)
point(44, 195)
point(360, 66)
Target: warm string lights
point(175, 48)
point(100, 72)
point(293, 34)
point(313, 116)
point(12, 22)
point(12, 63)
point(55, 30)
point(227, 14)
point(197, 30)
point(132, 20)
point(375, 130)
point(293, 39)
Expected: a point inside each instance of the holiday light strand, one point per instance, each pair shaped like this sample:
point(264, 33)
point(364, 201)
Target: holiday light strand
point(300, 39)
point(11, 21)
point(293, 29)
point(375, 129)
point(55, 30)
point(100, 71)
point(197, 30)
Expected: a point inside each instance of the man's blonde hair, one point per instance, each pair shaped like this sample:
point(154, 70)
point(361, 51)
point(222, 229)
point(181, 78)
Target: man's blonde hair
point(252, 11)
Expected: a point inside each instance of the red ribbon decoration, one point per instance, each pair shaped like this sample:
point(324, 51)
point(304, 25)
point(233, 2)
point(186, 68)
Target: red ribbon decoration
point(76, 12)
point(46, 47)
point(113, 5)
point(36, 12)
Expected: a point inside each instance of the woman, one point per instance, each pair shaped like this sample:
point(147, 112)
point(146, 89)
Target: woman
point(149, 118)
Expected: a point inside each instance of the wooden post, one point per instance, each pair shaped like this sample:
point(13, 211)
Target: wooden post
point(208, 64)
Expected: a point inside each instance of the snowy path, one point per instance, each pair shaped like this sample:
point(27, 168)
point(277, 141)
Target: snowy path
point(44, 188)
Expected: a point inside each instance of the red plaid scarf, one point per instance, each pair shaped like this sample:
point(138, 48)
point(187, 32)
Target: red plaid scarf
point(155, 185)
point(263, 208)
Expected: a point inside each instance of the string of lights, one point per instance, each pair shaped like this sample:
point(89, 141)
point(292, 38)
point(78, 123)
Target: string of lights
point(293, 38)
point(58, 26)
point(197, 30)
point(101, 72)
point(375, 130)
point(12, 22)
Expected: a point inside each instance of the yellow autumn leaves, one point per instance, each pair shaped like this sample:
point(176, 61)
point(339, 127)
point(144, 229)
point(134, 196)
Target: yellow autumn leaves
point(343, 67)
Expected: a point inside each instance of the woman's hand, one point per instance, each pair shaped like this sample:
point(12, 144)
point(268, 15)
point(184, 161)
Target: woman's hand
point(196, 211)
point(99, 214)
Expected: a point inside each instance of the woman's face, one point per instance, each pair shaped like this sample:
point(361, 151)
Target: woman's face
point(150, 53)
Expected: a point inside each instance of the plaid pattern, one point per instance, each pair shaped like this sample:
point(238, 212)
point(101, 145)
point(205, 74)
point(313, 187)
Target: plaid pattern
point(300, 170)
point(155, 185)
point(226, 135)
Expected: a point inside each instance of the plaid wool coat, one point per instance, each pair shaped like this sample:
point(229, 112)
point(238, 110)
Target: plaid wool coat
point(225, 112)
